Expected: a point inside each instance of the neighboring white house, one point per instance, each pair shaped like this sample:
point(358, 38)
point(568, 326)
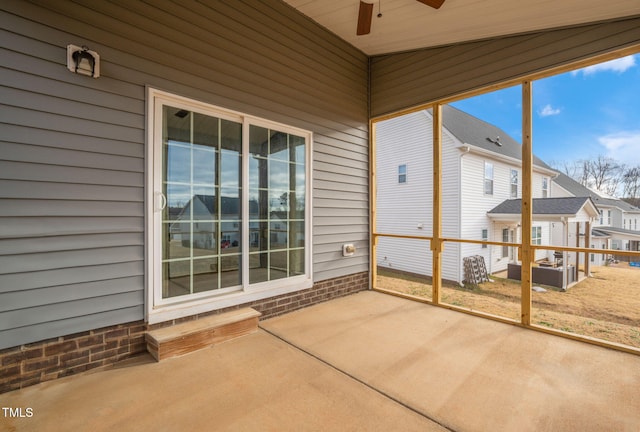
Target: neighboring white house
point(207, 231)
point(618, 224)
point(482, 185)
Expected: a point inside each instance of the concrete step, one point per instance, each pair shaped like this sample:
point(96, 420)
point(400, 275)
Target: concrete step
point(190, 336)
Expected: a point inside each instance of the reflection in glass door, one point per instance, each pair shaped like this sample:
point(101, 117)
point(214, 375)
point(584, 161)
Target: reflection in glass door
point(277, 184)
point(201, 221)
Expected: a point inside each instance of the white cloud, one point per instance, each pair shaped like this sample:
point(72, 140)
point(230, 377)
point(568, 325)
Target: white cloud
point(548, 110)
point(618, 66)
point(623, 146)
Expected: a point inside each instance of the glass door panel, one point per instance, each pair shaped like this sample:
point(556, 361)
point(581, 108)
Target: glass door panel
point(277, 179)
point(201, 183)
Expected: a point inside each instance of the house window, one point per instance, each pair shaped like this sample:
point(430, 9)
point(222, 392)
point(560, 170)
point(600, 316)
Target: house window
point(230, 198)
point(601, 217)
point(608, 217)
point(402, 173)
point(485, 237)
point(488, 178)
point(545, 187)
point(514, 183)
point(505, 239)
point(536, 235)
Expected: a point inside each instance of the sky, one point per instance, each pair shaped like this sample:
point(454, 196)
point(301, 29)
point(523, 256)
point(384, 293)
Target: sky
point(577, 115)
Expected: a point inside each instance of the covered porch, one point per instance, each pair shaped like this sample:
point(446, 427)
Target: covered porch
point(568, 221)
point(630, 237)
point(368, 361)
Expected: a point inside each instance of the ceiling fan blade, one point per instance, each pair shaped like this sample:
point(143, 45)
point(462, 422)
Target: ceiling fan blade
point(365, 13)
point(433, 3)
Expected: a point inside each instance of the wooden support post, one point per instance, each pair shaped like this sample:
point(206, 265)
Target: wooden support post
point(577, 269)
point(527, 202)
point(436, 243)
point(373, 239)
point(587, 244)
point(565, 255)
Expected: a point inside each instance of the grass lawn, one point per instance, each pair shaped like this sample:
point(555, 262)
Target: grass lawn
point(605, 306)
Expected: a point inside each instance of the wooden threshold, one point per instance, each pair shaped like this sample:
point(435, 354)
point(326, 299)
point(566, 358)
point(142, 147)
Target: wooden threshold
point(191, 336)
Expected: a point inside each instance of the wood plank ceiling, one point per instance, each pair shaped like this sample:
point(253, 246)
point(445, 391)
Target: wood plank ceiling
point(409, 25)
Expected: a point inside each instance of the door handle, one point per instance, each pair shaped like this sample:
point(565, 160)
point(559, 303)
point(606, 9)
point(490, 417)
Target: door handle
point(162, 201)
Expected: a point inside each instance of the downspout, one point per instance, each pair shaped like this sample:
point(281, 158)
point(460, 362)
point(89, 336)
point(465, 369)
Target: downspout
point(465, 149)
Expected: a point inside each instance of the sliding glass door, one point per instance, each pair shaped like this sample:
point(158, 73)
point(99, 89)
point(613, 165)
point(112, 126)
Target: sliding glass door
point(230, 209)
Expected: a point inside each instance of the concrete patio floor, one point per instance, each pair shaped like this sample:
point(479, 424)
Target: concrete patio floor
point(369, 362)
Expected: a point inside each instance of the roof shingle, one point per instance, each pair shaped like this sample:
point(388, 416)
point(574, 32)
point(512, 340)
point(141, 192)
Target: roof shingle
point(543, 206)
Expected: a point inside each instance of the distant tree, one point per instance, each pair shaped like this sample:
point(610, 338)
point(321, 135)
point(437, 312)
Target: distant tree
point(633, 201)
point(606, 174)
point(572, 169)
point(584, 173)
point(603, 174)
point(577, 169)
point(631, 182)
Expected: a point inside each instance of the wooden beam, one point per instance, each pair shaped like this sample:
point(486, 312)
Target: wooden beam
point(565, 255)
point(373, 239)
point(587, 244)
point(577, 269)
point(402, 236)
point(436, 243)
point(527, 202)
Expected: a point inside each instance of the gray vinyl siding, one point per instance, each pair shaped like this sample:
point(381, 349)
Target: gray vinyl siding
point(72, 148)
point(405, 80)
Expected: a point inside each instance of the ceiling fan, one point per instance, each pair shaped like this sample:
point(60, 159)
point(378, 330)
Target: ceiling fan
point(365, 14)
